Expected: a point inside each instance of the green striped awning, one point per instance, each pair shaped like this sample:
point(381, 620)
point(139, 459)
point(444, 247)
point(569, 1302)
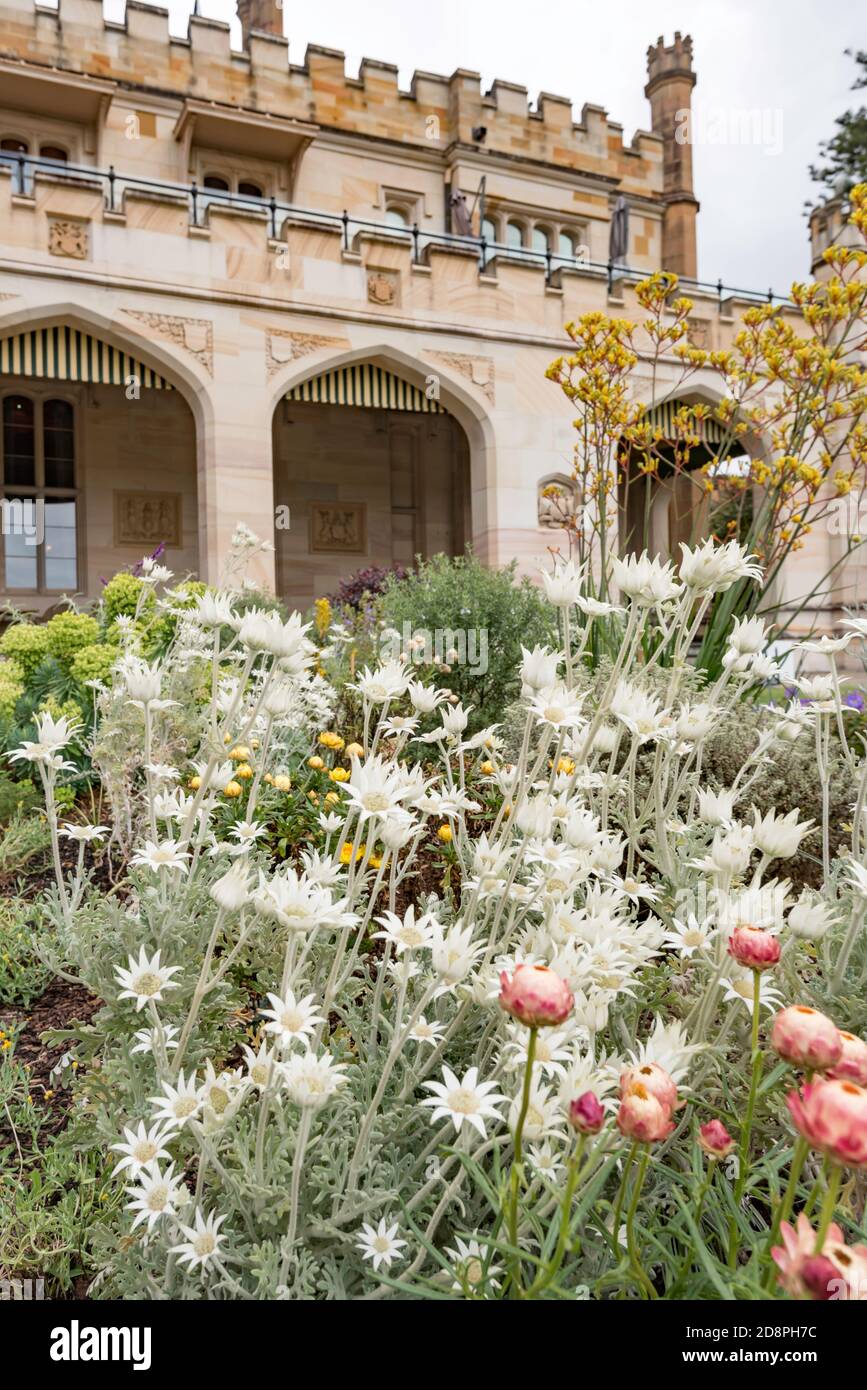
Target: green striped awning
point(662, 416)
point(66, 354)
point(365, 385)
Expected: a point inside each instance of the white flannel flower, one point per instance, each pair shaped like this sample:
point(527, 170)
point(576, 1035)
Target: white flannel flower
point(291, 1019)
point(145, 979)
point(312, 1081)
point(140, 1148)
point(203, 1239)
point(468, 1101)
point(178, 1103)
point(155, 1195)
point(381, 1244)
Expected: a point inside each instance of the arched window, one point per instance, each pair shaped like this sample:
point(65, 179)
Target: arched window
point(39, 534)
point(566, 246)
point(12, 145)
point(489, 231)
point(249, 190)
point(541, 240)
point(215, 182)
point(396, 216)
point(54, 153)
point(514, 236)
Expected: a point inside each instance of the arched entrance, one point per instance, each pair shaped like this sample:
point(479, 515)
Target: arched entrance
point(666, 498)
point(370, 469)
point(98, 463)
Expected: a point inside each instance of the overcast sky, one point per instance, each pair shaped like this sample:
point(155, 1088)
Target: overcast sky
point(783, 58)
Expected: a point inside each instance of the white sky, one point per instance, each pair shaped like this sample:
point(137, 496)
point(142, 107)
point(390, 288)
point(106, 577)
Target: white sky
point(782, 57)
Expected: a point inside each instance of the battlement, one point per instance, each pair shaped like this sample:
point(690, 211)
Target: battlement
point(437, 113)
point(666, 61)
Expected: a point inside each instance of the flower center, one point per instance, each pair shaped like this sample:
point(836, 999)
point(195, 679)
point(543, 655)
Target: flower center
point(144, 1151)
point(204, 1244)
point(158, 1198)
point(464, 1102)
point(185, 1105)
point(381, 1244)
point(148, 984)
point(376, 801)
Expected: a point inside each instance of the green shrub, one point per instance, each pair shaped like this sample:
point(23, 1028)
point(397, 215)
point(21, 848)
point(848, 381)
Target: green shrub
point(27, 645)
point(491, 612)
point(67, 633)
point(11, 688)
point(93, 663)
point(15, 796)
point(120, 596)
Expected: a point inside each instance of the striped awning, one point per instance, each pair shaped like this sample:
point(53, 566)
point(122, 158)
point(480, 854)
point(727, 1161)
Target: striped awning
point(662, 417)
point(368, 386)
point(66, 354)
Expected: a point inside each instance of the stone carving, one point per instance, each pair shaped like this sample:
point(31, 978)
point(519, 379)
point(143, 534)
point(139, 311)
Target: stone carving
point(478, 370)
point(338, 526)
point(67, 238)
point(557, 502)
point(147, 518)
point(700, 334)
point(381, 288)
point(282, 346)
point(196, 336)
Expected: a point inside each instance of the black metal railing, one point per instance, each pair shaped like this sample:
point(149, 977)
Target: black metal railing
point(199, 199)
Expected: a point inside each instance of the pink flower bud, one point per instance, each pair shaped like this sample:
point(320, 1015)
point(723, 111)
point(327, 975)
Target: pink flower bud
point(755, 948)
point(536, 996)
point(832, 1117)
point(642, 1117)
point(715, 1139)
point(655, 1080)
point(806, 1038)
point(820, 1278)
point(852, 1065)
point(586, 1114)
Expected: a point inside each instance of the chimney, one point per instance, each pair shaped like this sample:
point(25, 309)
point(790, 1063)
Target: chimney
point(264, 16)
point(669, 90)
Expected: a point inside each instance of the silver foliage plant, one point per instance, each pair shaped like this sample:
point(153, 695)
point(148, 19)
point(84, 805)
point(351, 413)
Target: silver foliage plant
point(388, 1125)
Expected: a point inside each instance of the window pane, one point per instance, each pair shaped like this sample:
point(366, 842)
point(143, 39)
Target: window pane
point(214, 181)
point(514, 235)
point(58, 420)
point(20, 538)
point(249, 190)
point(540, 239)
point(566, 245)
point(61, 570)
point(53, 152)
point(19, 442)
point(396, 217)
point(13, 146)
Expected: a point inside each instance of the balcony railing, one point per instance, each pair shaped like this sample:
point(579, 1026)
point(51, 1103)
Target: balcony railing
point(199, 199)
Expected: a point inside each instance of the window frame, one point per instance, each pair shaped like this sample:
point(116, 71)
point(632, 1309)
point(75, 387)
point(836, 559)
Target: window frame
point(40, 394)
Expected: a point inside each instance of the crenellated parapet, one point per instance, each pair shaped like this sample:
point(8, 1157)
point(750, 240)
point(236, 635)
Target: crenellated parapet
point(437, 113)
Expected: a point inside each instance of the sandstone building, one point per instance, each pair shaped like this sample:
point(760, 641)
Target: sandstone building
point(239, 287)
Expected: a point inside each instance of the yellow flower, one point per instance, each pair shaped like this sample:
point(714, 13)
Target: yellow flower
point(354, 750)
point(487, 768)
point(312, 796)
point(339, 774)
point(269, 779)
point(346, 853)
point(329, 740)
point(445, 834)
point(195, 783)
point(233, 789)
point(315, 762)
point(566, 765)
point(241, 754)
point(375, 861)
point(332, 798)
point(244, 771)
point(282, 782)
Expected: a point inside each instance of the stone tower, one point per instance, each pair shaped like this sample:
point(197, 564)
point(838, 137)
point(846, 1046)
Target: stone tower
point(265, 16)
point(669, 90)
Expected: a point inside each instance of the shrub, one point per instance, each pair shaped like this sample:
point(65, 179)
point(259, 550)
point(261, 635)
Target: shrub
point(26, 644)
point(67, 633)
point(121, 595)
point(365, 585)
point(93, 663)
point(486, 610)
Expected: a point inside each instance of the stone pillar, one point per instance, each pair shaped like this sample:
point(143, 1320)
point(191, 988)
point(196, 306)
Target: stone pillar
point(669, 90)
point(264, 16)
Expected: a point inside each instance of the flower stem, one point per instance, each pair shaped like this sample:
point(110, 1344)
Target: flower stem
point(744, 1151)
point(517, 1165)
point(828, 1205)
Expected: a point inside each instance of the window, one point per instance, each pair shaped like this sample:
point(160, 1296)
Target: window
point(12, 145)
point(39, 536)
point(53, 152)
point(396, 216)
point(249, 190)
point(540, 240)
point(489, 231)
point(514, 236)
point(215, 182)
point(566, 246)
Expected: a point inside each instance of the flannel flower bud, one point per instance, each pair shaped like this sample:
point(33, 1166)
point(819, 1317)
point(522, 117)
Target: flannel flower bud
point(715, 1139)
point(586, 1115)
point(755, 948)
point(806, 1038)
point(536, 996)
